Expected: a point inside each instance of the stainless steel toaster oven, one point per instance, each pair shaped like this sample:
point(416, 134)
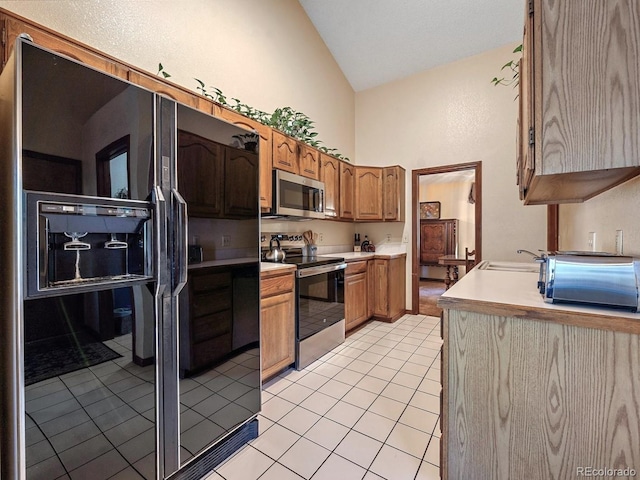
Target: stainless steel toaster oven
point(589, 278)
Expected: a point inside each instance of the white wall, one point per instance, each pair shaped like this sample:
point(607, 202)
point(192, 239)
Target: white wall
point(616, 209)
point(267, 54)
point(449, 115)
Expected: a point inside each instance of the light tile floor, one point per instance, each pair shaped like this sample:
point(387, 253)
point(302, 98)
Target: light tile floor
point(368, 410)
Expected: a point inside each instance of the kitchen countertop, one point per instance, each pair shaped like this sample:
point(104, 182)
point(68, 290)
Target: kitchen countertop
point(514, 294)
point(355, 256)
point(221, 263)
point(270, 266)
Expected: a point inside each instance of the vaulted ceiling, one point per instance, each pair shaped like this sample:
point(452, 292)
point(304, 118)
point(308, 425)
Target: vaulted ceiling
point(379, 41)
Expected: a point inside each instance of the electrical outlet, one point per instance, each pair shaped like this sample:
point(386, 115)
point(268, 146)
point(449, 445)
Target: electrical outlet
point(320, 237)
point(619, 246)
point(388, 237)
point(226, 240)
point(591, 241)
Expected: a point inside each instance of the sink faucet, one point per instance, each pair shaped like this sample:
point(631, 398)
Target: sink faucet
point(542, 260)
point(536, 257)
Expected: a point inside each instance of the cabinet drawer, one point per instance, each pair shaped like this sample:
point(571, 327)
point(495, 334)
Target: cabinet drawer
point(211, 350)
point(211, 326)
point(356, 267)
point(210, 281)
point(275, 285)
point(208, 303)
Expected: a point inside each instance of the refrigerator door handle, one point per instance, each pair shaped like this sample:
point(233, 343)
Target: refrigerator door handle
point(159, 241)
point(181, 241)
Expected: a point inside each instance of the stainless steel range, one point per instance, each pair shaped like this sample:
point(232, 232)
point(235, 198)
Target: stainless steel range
point(320, 323)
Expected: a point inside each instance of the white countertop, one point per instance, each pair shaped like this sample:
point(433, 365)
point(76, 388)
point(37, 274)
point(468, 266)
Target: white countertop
point(515, 293)
point(269, 266)
point(222, 263)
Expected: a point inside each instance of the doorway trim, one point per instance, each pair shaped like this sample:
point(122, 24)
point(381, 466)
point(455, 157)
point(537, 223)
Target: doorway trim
point(415, 218)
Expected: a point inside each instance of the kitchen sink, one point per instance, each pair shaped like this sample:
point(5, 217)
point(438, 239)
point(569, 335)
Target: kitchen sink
point(509, 266)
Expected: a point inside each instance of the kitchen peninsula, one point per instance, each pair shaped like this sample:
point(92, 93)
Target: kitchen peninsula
point(535, 390)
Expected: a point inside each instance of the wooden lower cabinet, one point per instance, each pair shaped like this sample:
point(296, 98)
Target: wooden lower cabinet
point(532, 398)
point(206, 319)
point(277, 325)
point(374, 288)
point(371, 288)
point(389, 288)
point(356, 289)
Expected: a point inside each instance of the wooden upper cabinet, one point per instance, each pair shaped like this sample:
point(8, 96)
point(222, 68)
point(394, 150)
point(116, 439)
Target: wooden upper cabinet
point(347, 190)
point(239, 199)
point(264, 151)
point(585, 108)
point(393, 193)
point(330, 175)
point(201, 174)
point(309, 161)
point(368, 198)
point(58, 43)
point(285, 153)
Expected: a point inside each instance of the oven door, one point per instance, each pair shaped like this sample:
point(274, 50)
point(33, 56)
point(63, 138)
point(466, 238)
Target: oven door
point(297, 196)
point(319, 312)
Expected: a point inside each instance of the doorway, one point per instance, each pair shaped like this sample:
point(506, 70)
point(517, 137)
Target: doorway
point(433, 210)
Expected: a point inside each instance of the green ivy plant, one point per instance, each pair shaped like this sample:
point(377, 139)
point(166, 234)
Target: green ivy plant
point(513, 72)
point(286, 119)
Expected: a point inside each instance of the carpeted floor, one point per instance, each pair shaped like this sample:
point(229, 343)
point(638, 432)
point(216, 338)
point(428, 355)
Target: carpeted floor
point(430, 291)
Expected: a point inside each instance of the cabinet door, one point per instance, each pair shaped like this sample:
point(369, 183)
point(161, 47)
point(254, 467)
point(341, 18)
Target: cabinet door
point(347, 190)
point(393, 193)
point(277, 333)
point(264, 151)
point(309, 161)
point(390, 194)
point(526, 158)
point(437, 238)
point(368, 200)
point(330, 175)
point(355, 300)
point(285, 153)
point(397, 286)
point(381, 275)
point(432, 242)
point(200, 174)
point(240, 168)
point(371, 285)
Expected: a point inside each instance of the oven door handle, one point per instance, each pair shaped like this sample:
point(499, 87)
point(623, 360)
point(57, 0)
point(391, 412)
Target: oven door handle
point(319, 270)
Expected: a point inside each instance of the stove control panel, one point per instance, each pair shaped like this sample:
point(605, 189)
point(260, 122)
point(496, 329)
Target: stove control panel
point(286, 239)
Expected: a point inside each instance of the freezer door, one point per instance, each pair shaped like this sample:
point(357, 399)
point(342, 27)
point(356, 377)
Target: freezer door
point(12, 442)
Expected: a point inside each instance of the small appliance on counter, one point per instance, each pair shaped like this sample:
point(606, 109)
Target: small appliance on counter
point(195, 254)
point(590, 278)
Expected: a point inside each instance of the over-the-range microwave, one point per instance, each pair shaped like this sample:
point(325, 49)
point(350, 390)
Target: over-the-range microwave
point(296, 196)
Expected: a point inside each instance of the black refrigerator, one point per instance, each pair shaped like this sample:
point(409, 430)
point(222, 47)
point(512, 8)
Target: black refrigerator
point(129, 252)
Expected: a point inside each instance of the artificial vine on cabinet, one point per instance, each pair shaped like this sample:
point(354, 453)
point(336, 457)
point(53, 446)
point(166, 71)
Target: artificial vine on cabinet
point(286, 119)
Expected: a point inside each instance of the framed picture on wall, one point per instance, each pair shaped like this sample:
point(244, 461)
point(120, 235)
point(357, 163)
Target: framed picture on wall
point(429, 210)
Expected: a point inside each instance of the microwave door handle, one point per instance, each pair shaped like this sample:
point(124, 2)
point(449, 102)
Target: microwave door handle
point(181, 239)
point(318, 200)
